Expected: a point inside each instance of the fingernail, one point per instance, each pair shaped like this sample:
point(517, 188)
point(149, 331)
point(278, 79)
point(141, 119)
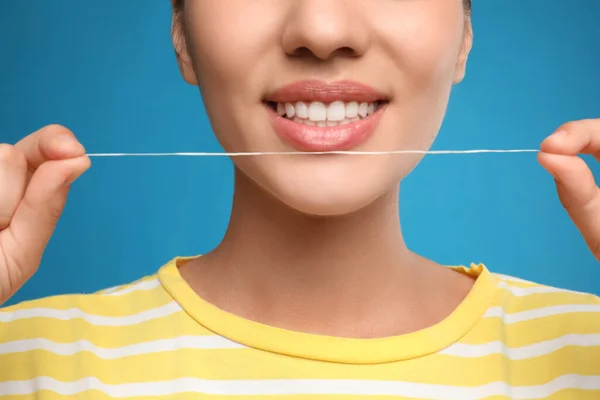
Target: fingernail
point(70, 143)
point(558, 134)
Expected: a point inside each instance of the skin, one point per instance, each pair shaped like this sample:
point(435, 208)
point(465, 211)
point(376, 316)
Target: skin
point(336, 260)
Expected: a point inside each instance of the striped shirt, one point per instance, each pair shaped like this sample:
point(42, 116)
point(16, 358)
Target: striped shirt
point(155, 338)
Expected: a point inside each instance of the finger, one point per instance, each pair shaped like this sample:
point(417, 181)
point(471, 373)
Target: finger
point(578, 193)
point(53, 142)
point(579, 137)
point(13, 179)
point(38, 212)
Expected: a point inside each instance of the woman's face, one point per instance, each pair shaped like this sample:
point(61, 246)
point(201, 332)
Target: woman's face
point(323, 75)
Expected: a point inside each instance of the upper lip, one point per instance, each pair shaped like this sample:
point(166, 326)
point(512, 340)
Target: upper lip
point(326, 92)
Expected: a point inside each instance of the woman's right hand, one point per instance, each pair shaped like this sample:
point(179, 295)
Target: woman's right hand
point(35, 177)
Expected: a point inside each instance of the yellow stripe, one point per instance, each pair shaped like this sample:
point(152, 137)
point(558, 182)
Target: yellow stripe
point(251, 364)
point(104, 305)
point(104, 336)
point(565, 395)
point(241, 364)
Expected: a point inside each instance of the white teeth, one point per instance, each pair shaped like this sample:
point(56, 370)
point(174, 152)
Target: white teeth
point(336, 111)
point(290, 110)
point(352, 110)
point(325, 123)
point(363, 109)
point(317, 111)
point(371, 109)
point(280, 109)
point(320, 114)
point(305, 121)
point(302, 110)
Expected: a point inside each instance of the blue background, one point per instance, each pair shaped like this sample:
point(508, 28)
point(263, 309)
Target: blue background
point(106, 70)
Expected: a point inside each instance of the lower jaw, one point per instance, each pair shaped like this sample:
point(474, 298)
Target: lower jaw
point(333, 138)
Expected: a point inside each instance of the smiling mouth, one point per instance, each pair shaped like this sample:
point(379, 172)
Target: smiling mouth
point(320, 114)
point(317, 116)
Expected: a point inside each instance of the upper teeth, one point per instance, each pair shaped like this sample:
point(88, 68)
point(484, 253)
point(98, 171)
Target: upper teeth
point(338, 111)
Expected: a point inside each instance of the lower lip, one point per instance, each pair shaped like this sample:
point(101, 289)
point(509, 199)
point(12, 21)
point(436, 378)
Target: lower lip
point(332, 138)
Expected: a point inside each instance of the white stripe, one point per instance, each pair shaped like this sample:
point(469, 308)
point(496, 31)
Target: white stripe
point(67, 349)
point(110, 290)
point(513, 279)
point(143, 285)
point(218, 342)
point(75, 313)
point(526, 291)
point(300, 387)
point(498, 312)
point(521, 353)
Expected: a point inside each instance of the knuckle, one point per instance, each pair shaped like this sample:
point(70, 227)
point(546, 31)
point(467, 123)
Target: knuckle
point(54, 213)
point(55, 208)
point(4, 220)
point(22, 264)
point(46, 212)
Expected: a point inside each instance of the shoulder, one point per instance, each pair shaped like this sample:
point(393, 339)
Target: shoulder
point(69, 317)
point(546, 307)
point(54, 338)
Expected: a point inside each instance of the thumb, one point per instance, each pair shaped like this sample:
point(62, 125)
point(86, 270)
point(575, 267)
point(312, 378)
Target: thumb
point(36, 216)
point(578, 193)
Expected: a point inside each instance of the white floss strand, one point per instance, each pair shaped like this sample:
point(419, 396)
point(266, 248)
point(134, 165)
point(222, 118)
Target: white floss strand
point(218, 154)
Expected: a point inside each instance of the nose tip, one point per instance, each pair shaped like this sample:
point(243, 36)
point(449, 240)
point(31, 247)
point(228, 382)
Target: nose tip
point(324, 29)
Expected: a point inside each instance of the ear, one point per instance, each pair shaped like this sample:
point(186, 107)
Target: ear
point(465, 50)
point(184, 60)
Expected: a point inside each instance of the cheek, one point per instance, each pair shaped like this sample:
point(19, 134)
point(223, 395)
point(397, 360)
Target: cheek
point(227, 47)
point(425, 44)
point(225, 42)
point(424, 48)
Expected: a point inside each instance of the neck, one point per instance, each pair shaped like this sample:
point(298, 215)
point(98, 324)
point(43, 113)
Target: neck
point(280, 267)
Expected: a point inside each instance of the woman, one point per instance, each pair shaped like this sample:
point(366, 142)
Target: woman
point(312, 292)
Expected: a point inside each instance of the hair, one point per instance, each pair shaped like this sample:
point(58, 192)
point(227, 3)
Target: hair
point(178, 6)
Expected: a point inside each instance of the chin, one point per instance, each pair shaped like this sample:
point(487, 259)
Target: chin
point(325, 201)
point(339, 188)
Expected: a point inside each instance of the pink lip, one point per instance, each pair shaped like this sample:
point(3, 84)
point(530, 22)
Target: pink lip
point(314, 90)
point(335, 138)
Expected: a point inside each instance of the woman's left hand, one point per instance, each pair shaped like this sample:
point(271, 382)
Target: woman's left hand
point(575, 183)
